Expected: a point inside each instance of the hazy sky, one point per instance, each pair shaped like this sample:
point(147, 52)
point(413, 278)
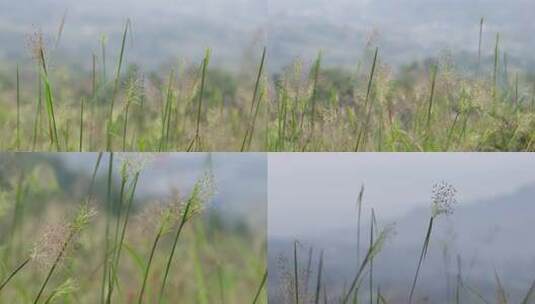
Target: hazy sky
point(316, 192)
point(405, 30)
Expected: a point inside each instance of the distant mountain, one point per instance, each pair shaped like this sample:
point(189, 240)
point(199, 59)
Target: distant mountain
point(162, 29)
point(488, 235)
point(405, 30)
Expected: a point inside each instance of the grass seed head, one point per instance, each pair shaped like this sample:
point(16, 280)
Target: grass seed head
point(134, 163)
point(50, 244)
point(443, 198)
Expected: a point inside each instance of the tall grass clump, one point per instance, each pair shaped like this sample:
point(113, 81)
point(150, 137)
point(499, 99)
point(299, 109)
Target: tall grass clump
point(476, 103)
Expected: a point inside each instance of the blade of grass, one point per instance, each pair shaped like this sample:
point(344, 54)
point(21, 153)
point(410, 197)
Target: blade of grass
point(257, 85)
point(422, 256)
point(318, 282)
point(259, 290)
point(107, 229)
point(14, 272)
point(18, 109)
point(49, 101)
point(81, 135)
point(183, 221)
point(479, 44)
point(204, 65)
point(296, 275)
point(367, 104)
point(116, 86)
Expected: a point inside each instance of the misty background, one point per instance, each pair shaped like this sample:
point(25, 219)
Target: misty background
point(236, 30)
point(312, 199)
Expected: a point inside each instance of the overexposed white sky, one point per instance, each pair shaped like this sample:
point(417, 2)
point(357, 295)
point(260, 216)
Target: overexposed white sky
point(315, 192)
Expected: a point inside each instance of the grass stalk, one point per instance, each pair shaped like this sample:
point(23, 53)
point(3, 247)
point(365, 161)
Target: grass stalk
point(434, 72)
point(296, 275)
point(481, 21)
point(259, 290)
point(495, 70)
point(166, 116)
point(367, 104)
point(253, 101)
point(81, 134)
point(183, 221)
point(116, 87)
point(149, 263)
point(318, 281)
point(38, 110)
point(49, 98)
point(421, 258)
point(18, 109)
point(119, 244)
point(14, 272)
point(196, 139)
point(107, 229)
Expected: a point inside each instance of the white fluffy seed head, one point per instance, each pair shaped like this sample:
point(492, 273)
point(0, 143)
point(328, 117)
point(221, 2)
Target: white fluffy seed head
point(443, 199)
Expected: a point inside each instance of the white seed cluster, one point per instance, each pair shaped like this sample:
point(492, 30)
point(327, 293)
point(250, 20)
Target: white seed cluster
point(443, 198)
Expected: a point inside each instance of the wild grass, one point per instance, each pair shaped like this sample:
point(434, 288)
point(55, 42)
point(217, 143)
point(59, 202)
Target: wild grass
point(484, 103)
point(292, 286)
point(156, 252)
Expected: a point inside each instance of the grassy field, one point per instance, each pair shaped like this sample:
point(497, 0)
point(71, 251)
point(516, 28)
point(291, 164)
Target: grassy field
point(83, 240)
point(486, 104)
point(303, 277)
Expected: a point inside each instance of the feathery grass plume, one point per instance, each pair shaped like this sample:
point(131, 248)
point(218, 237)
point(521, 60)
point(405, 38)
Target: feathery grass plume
point(259, 290)
point(373, 251)
point(197, 137)
point(133, 91)
point(116, 86)
point(202, 191)
point(443, 200)
point(54, 245)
